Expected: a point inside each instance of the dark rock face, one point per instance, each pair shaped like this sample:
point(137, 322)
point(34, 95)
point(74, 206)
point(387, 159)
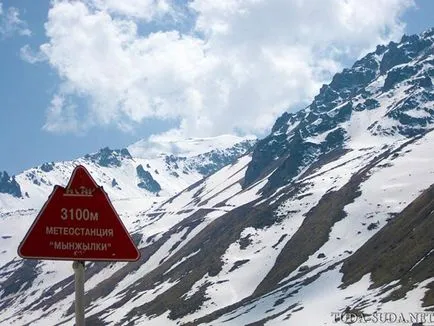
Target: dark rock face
point(334, 139)
point(369, 104)
point(398, 75)
point(394, 56)
point(109, 158)
point(423, 81)
point(413, 118)
point(406, 50)
point(300, 153)
point(9, 185)
point(352, 80)
point(115, 183)
point(47, 167)
point(146, 180)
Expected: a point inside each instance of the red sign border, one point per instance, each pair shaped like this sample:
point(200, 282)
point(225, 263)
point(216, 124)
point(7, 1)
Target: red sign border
point(69, 258)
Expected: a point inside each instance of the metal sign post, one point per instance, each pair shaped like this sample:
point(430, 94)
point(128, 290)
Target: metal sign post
point(78, 266)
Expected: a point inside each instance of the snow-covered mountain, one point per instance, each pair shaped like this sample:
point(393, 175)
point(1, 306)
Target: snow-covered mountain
point(331, 216)
point(144, 169)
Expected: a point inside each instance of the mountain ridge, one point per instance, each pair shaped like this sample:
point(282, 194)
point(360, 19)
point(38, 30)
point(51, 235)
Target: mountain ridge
point(195, 162)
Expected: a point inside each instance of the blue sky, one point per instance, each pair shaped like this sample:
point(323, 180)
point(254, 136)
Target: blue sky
point(78, 76)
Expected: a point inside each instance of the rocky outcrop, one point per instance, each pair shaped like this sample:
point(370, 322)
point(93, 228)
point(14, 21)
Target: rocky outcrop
point(9, 185)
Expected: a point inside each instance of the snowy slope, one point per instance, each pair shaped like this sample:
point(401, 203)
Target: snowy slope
point(332, 214)
point(247, 261)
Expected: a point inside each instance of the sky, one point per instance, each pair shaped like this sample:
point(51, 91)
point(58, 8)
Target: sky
point(77, 76)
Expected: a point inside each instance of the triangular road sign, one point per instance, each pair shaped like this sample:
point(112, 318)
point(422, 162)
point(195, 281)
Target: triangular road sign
point(78, 223)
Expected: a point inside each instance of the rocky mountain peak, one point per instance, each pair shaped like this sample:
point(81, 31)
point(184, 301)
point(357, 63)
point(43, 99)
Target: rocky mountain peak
point(9, 185)
point(107, 157)
point(401, 71)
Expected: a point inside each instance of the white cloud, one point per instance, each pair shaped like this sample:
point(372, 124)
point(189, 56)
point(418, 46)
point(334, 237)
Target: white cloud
point(30, 56)
point(61, 117)
point(254, 59)
point(10, 23)
point(140, 9)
